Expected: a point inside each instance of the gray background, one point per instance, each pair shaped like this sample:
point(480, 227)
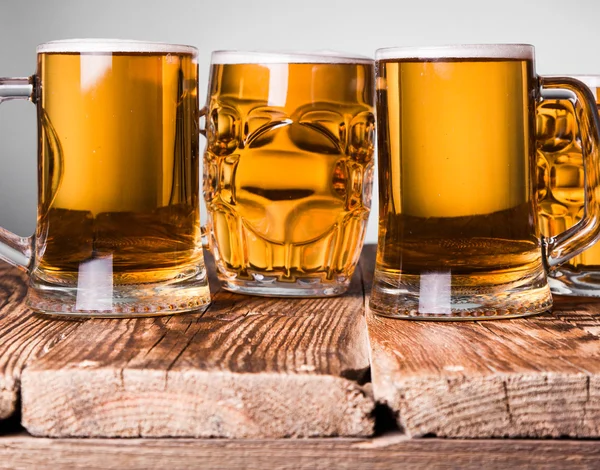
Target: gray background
point(566, 36)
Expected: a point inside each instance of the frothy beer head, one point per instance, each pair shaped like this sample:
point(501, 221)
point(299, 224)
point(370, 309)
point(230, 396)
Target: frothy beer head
point(84, 46)
point(258, 57)
point(460, 52)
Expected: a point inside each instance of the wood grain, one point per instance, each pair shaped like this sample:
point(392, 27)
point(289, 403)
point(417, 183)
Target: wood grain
point(582, 312)
point(386, 452)
point(246, 367)
point(532, 377)
point(24, 336)
point(263, 368)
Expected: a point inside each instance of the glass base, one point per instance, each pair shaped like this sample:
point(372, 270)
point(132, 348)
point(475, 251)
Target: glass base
point(104, 300)
point(568, 282)
point(272, 287)
point(427, 298)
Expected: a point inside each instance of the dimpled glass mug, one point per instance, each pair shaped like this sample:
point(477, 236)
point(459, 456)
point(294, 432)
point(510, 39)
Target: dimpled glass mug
point(561, 188)
point(458, 224)
point(288, 170)
point(118, 214)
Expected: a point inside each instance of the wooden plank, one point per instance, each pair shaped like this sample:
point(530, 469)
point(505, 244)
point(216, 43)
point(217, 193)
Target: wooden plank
point(24, 336)
point(386, 452)
point(247, 367)
point(531, 377)
point(583, 312)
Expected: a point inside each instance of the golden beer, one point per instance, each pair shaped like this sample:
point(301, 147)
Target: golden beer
point(119, 177)
point(288, 170)
point(561, 189)
point(457, 219)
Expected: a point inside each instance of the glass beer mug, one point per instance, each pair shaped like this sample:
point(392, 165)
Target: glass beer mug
point(561, 188)
point(118, 215)
point(458, 226)
point(288, 170)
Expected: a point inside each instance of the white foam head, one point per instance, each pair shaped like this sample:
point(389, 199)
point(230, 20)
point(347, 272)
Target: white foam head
point(114, 45)
point(460, 51)
point(264, 57)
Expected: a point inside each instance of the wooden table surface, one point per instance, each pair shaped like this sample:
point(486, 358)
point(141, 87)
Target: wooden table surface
point(369, 392)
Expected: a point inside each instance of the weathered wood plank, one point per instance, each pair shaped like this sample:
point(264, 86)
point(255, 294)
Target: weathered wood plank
point(386, 452)
point(247, 367)
point(583, 312)
point(24, 336)
point(532, 377)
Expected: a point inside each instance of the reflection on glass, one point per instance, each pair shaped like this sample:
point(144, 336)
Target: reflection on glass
point(95, 284)
point(434, 294)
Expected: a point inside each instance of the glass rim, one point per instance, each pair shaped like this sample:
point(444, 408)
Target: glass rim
point(232, 57)
point(113, 45)
point(458, 51)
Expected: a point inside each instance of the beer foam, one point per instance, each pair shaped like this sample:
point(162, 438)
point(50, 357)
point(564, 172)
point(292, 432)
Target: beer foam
point(114, 45)
point(461, 51)
point(300, 57)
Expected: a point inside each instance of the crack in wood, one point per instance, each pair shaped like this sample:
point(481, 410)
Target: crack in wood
point(121, 372)
point(156, 343)
point(507, 402)
point(360, 376)
point(587, 401)
point(179, 354)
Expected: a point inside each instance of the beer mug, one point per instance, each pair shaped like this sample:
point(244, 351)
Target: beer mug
point(458, 231)
point(288, 170)
point(561, 188)
point(118, 230)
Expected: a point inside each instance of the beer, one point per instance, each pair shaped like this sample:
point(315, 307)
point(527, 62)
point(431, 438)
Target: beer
point(119, 178)
point(288, 170)
point(561, 189)
point(456, 158)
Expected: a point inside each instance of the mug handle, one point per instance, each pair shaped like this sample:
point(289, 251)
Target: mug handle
point(14, 249)
point(573, 241)
point(202, 129)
